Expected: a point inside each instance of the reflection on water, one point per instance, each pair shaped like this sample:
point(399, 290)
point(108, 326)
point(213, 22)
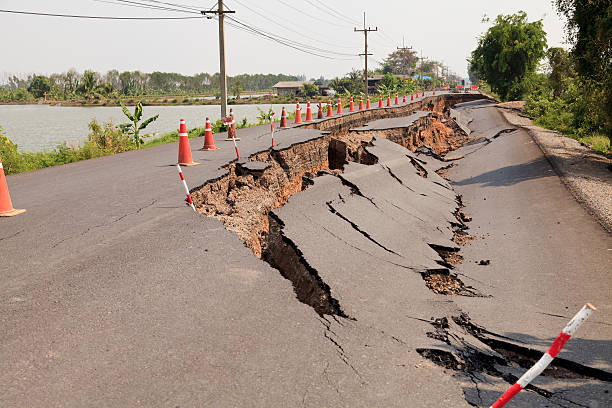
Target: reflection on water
point(38, 127)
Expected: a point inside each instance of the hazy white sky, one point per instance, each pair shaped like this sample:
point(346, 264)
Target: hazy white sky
point(445, 30)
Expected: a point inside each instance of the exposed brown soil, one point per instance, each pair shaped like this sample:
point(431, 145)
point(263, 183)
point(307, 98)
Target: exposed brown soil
point(243, 199)
point(445, 283)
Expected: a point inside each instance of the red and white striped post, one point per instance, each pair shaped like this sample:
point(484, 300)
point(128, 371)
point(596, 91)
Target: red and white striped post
point(548, 357)
point(272, 127)
point(229, 121)
point(180, 172)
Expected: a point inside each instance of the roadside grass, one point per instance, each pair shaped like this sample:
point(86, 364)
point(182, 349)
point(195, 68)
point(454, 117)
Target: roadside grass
point(597, 142)
point(103, 140)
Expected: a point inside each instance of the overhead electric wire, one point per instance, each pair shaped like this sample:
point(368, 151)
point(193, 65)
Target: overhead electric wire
point(306, 14)
point(268, 33)
point(185, 6)
point(337, 14)
point(32, 13)
point(145, 5)
point(288, 28)
point(281, 40)
point(139, 5)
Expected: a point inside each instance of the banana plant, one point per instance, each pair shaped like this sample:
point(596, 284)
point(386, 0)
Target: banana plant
point(133, 129)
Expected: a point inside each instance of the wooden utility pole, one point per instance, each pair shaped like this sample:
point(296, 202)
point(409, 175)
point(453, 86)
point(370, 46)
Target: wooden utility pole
point(222, 76)
point(404, 48)
point(365, 52)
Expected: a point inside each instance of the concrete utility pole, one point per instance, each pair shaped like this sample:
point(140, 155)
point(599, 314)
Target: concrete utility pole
point(365, 52)
point(422, 59)
point(403, 48)
point(222, 77)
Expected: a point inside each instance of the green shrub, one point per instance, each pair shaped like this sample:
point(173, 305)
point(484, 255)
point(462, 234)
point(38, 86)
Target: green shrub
point(12, 160)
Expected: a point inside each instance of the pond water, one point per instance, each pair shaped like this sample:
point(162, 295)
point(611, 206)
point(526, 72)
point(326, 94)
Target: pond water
point(39, 127)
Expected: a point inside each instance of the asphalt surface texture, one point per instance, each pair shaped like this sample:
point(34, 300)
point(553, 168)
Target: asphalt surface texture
point(114, 293)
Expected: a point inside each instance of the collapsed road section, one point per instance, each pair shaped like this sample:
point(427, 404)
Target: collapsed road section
point(245, 198)
point(353, 214)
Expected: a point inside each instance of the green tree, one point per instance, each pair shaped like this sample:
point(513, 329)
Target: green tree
point(561, 68)
point(310, 90)
point(508, 53)
point(39, 86)
point(133, 129)
point(400, 62)
point(589, 29)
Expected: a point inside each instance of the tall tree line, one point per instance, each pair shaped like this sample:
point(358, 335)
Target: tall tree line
point(91, 84)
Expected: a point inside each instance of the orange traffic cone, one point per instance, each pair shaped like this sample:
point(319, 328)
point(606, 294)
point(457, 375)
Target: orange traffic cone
point(380, 104)
point(361, 103)
point(434, 91)
point(298, 115)
point(368, 106)
point(308, 113)
point(396, 101)
point(320, 113)
point(404, 100)
point(283, 123)
point(6, 205)
point(184, 154)
point(388, 99)
point(330, 111)
point(339, 106)
point(209, 141)
point(352, 106)
point(412, 97)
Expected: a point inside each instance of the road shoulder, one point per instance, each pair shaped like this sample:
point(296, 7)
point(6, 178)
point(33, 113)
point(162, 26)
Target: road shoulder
point(586, 173)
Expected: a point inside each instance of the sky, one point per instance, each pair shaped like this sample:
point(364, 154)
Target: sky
point(444, 30)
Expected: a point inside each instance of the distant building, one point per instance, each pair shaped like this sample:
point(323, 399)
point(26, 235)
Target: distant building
point(289, 87)
point(374, 80)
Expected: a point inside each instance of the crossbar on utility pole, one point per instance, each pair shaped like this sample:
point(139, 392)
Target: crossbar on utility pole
point(222, 76)
point(422, 59)
point(365, 52)
point(404, 48)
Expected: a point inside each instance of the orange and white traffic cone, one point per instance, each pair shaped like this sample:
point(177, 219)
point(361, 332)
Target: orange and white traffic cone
point(330, 110)
point(184, 153)
point(320, 113)
point(308, 113)
point(388, 99)
point(368, 106)
point(434, 92)
point(380, 103)
point(339, 106)
point(298, 115)
point(6, 205)
point(396, 102)
point(412, 97)
point(404, 100)
point(361, 103)
point(209, 141)
point(283, 122)
point(352, 106)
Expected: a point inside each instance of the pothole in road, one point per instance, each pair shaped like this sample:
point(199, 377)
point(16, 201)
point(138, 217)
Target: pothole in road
point(244, 198)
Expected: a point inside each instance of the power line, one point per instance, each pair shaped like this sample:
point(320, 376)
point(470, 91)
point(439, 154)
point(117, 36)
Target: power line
point(139, 5)
point(31, 13)
point(174, 4)
point(281, 40)
point(154, 6)
point(338, 14)
point(276, 36)
point(319, 20)
point(286, 27)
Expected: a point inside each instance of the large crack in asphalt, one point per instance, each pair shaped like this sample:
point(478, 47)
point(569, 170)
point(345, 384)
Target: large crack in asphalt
point(244, 199)
point(475, 352)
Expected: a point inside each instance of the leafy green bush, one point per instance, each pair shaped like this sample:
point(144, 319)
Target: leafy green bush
point(108, 138)
point(12, 160)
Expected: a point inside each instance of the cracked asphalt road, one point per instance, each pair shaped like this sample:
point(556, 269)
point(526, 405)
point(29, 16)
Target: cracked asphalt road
point(113, 293)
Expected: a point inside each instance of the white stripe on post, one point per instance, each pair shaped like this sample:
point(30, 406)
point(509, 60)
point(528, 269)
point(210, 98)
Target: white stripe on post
point(182, 177)
point(547, 358)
